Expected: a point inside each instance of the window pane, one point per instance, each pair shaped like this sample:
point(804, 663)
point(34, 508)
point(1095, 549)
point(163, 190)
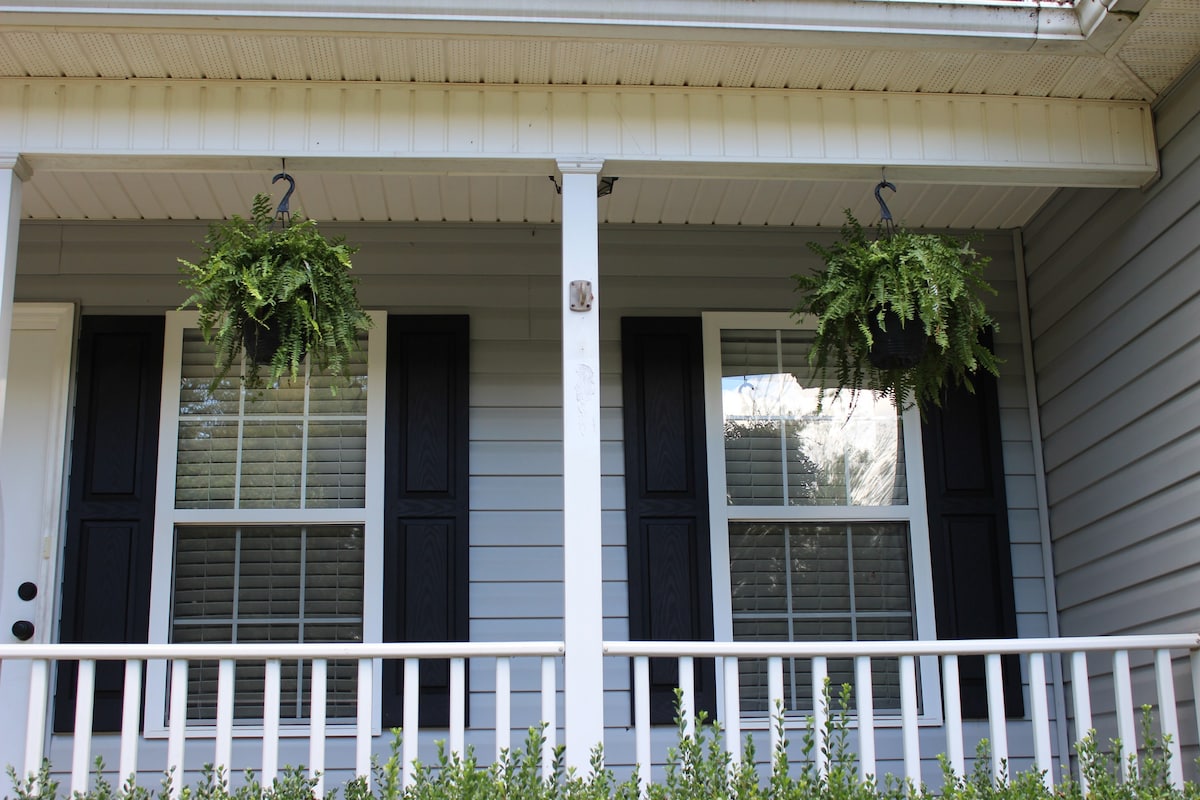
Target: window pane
point(882, 581)
point(293, 445)
point(814, 582)
point(780, 451)
point(271, 465)
point(268, 584)
point(206, 464)
point(337, 465)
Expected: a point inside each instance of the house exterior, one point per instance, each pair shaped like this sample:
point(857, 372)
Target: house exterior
point(581, 441)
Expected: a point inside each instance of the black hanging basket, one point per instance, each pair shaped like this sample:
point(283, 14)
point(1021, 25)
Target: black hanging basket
point(899, 346)
point(260, 342)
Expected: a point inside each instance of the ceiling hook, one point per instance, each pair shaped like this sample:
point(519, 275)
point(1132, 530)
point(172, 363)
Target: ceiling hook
point(284, 212)
point(885, 213)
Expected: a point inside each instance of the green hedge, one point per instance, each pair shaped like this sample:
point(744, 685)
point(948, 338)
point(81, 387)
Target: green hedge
point(697, 768)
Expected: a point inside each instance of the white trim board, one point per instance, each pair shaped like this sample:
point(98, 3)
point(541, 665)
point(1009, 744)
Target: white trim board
point(149, 125)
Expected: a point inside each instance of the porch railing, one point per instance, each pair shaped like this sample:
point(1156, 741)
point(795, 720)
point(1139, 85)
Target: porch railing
point(272, 656)
point(1073, 651)
point(1150, 659)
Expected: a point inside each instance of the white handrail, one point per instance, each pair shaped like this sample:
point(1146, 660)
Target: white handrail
point(279, 651)
point(879, 649)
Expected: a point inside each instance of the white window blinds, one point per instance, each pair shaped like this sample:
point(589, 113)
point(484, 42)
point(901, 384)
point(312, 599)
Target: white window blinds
point(288, 446)
point(816, 491)
point(298, 450)
point(288, 583)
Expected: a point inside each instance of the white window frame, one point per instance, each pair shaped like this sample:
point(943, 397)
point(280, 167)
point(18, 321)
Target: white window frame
point(166, 517)
point(914, 514)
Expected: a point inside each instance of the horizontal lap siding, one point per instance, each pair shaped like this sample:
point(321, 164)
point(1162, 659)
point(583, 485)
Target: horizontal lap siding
point(1114, 287)
point(505, 278)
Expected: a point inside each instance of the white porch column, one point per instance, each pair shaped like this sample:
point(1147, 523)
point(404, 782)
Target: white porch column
point(13, 172)
point(582, 613)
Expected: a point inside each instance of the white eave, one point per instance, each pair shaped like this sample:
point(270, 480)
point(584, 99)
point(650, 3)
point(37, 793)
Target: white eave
point(703, 101)
point(1008, 24)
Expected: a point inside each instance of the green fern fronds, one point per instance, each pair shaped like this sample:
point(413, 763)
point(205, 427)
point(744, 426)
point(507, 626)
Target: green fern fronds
point(288, 279)
point(932, 280)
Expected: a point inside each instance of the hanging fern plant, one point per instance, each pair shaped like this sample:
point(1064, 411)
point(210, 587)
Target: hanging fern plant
point(257, 280)
point(899, 278)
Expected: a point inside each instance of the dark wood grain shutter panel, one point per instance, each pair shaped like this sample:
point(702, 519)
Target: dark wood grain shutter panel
point(968, 536)
point(110, 506)
point(666, 498)
point(425, 502)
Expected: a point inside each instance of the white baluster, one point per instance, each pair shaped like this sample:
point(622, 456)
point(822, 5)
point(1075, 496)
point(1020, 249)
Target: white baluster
point(131, 704)
point(908, 719)
point(687, 685)
point(775, 701)
point(272, 681)
point(997, 723)
point(820, 671)
point(952, 700)
point(35, 720)
point(1041, 719)
point(223, 749)
point(549, 715)
point(1126, 729)
point(362, 723)
point(864, 691)
point(641, 720)
point(316, 724)
point(1168, 713)
point(411, 730)
point(503, 706)
point(733, 711)
point(1081, 699)
point(85, 688)
point(458, 706)
point(177, 725)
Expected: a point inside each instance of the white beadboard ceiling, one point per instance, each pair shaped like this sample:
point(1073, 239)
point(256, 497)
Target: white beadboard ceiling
point(1133, 53)
point(434, 198)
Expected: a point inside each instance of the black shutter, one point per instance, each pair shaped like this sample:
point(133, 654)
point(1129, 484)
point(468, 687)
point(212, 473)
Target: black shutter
point(110, 507)
point(425, 503)
point(968, 536)
point(666, 499)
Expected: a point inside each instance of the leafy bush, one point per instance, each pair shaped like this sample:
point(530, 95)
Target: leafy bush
point(697, 768)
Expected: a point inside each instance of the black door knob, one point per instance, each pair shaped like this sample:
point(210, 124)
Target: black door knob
point(27, 590)
point(23, 630)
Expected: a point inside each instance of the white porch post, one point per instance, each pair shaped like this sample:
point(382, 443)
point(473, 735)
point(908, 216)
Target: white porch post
point(582, 613)
point(13, 172)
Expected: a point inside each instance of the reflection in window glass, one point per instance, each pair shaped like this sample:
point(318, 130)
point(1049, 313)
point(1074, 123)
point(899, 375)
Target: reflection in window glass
point(780, 450)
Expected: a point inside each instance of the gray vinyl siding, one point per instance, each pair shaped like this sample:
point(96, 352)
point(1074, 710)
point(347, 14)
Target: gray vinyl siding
point(506, 278)
point(1114, 295)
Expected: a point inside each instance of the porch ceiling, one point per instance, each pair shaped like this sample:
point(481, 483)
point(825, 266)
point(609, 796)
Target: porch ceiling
point(520, 199)
point(1083, 50)
point(1091, 49)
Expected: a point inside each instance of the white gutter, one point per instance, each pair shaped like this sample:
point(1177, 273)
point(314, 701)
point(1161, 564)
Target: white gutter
point(1015, 25)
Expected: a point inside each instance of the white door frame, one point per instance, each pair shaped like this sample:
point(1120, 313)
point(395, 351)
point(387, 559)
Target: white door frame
point(37, 406)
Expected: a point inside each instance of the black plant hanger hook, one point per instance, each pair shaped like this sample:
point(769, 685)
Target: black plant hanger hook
point(284, 213)
point(885, 214)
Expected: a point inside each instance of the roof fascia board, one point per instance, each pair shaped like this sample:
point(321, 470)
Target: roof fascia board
point(649, 131)
point(989, 24)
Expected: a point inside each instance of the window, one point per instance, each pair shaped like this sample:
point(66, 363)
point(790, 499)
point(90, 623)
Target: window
point(819, 529)
point(268, 515)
